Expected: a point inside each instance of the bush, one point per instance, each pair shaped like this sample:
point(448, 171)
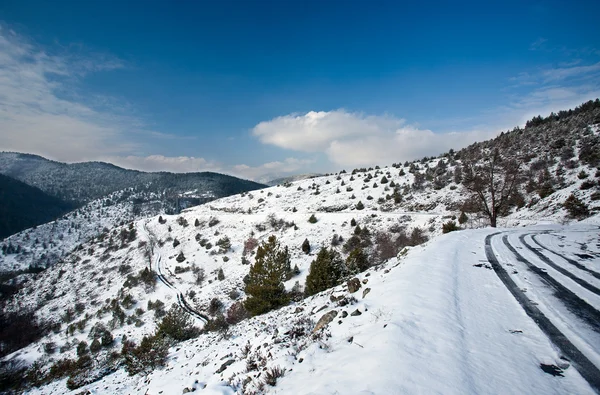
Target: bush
point(180, 258)
point(587, 184)
point(449, 226)
point(177, 325)
point(217, 324)
point(575, 207)
point(215, 306)
point(273, 374)
point(220, 274)
point(360, 205)
point(463, 218)
point(95, 346)
point(148, 356)
point(306, 246)
point(236, 313)
point(312, 219)
point(224, 244)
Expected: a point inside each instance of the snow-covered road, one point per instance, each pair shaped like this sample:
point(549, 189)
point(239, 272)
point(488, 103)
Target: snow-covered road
point(563, 305)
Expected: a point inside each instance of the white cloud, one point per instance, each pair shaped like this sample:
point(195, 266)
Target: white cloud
point(35, 113)
point(176, 164)
point(271, 170)
point(351, 139)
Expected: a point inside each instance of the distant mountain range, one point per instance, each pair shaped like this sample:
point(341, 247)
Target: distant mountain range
point(86, 181)
point(23, 206)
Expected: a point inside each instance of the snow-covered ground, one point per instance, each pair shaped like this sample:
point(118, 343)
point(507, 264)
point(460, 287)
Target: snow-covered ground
point(437, 320)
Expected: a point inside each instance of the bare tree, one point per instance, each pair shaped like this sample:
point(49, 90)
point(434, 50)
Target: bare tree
point(492, 183)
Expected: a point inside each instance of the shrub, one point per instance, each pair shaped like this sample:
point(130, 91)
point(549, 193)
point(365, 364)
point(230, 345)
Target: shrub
point(180, 258)
point(82, 348)
point(220, 274)
point(312, 219)
point(177, 325)
point(249, 245)
point(449, 226)
point(176, 243)
point(352, 222)
point(306, 246)
point(213, 221)
point(224, 244)
point(215, 306)
point(462, 219)
point(582, 175)
point(95, 346)
point(236, 313)
point(217, 324)
point(575, 207)
point(587, 184)
point(148, 356)
point(360, 205)
point(271, 375)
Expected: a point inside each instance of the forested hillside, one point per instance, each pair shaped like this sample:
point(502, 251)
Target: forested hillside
point(23, 206)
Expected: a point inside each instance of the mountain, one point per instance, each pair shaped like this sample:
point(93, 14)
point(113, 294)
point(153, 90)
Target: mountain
point(401, 307)
point(23, 206)
point(87, 181)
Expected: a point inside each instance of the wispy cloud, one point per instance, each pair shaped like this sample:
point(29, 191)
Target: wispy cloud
point(39, 111)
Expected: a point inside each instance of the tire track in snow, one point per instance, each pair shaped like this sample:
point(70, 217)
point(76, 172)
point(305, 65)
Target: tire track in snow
point(574, 303)
point(584, 366)
point(183, 304)
point(559, 268)
point(569, 260)
point(460, 322)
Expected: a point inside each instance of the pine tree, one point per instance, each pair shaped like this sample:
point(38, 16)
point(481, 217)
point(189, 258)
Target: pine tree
point(463, 218)
point(264, 283)
point(306, 246)
point(357, 261)
point(326, 271)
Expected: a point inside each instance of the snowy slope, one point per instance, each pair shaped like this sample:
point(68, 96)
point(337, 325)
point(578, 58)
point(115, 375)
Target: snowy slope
point(434, 322)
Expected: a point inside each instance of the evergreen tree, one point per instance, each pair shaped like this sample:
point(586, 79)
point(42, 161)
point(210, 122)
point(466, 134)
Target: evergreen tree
point(357, 261)
point(326, 271)
point(264, 283)
point(306, 246)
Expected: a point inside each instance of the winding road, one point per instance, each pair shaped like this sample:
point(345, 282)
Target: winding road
point(543, 306)
point(156, 262)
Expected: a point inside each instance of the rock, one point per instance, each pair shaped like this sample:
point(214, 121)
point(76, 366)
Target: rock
point(325, 320)
point(367, 275)
point(355, 313)
point(386, 271)
point(366, 280)
point(186, 390)
point(366, 291)
point(225, 365)
point(344, 314)
point(299, 310)
point(350, 339)
point(353, 285)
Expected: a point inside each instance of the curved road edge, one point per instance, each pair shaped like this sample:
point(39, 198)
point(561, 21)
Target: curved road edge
point(584, 366)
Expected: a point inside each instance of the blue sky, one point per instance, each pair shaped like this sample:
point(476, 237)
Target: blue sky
point(268, 88)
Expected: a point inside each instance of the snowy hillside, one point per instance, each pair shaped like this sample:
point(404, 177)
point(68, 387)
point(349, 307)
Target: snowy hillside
point(448, 315)
point(87, 181)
